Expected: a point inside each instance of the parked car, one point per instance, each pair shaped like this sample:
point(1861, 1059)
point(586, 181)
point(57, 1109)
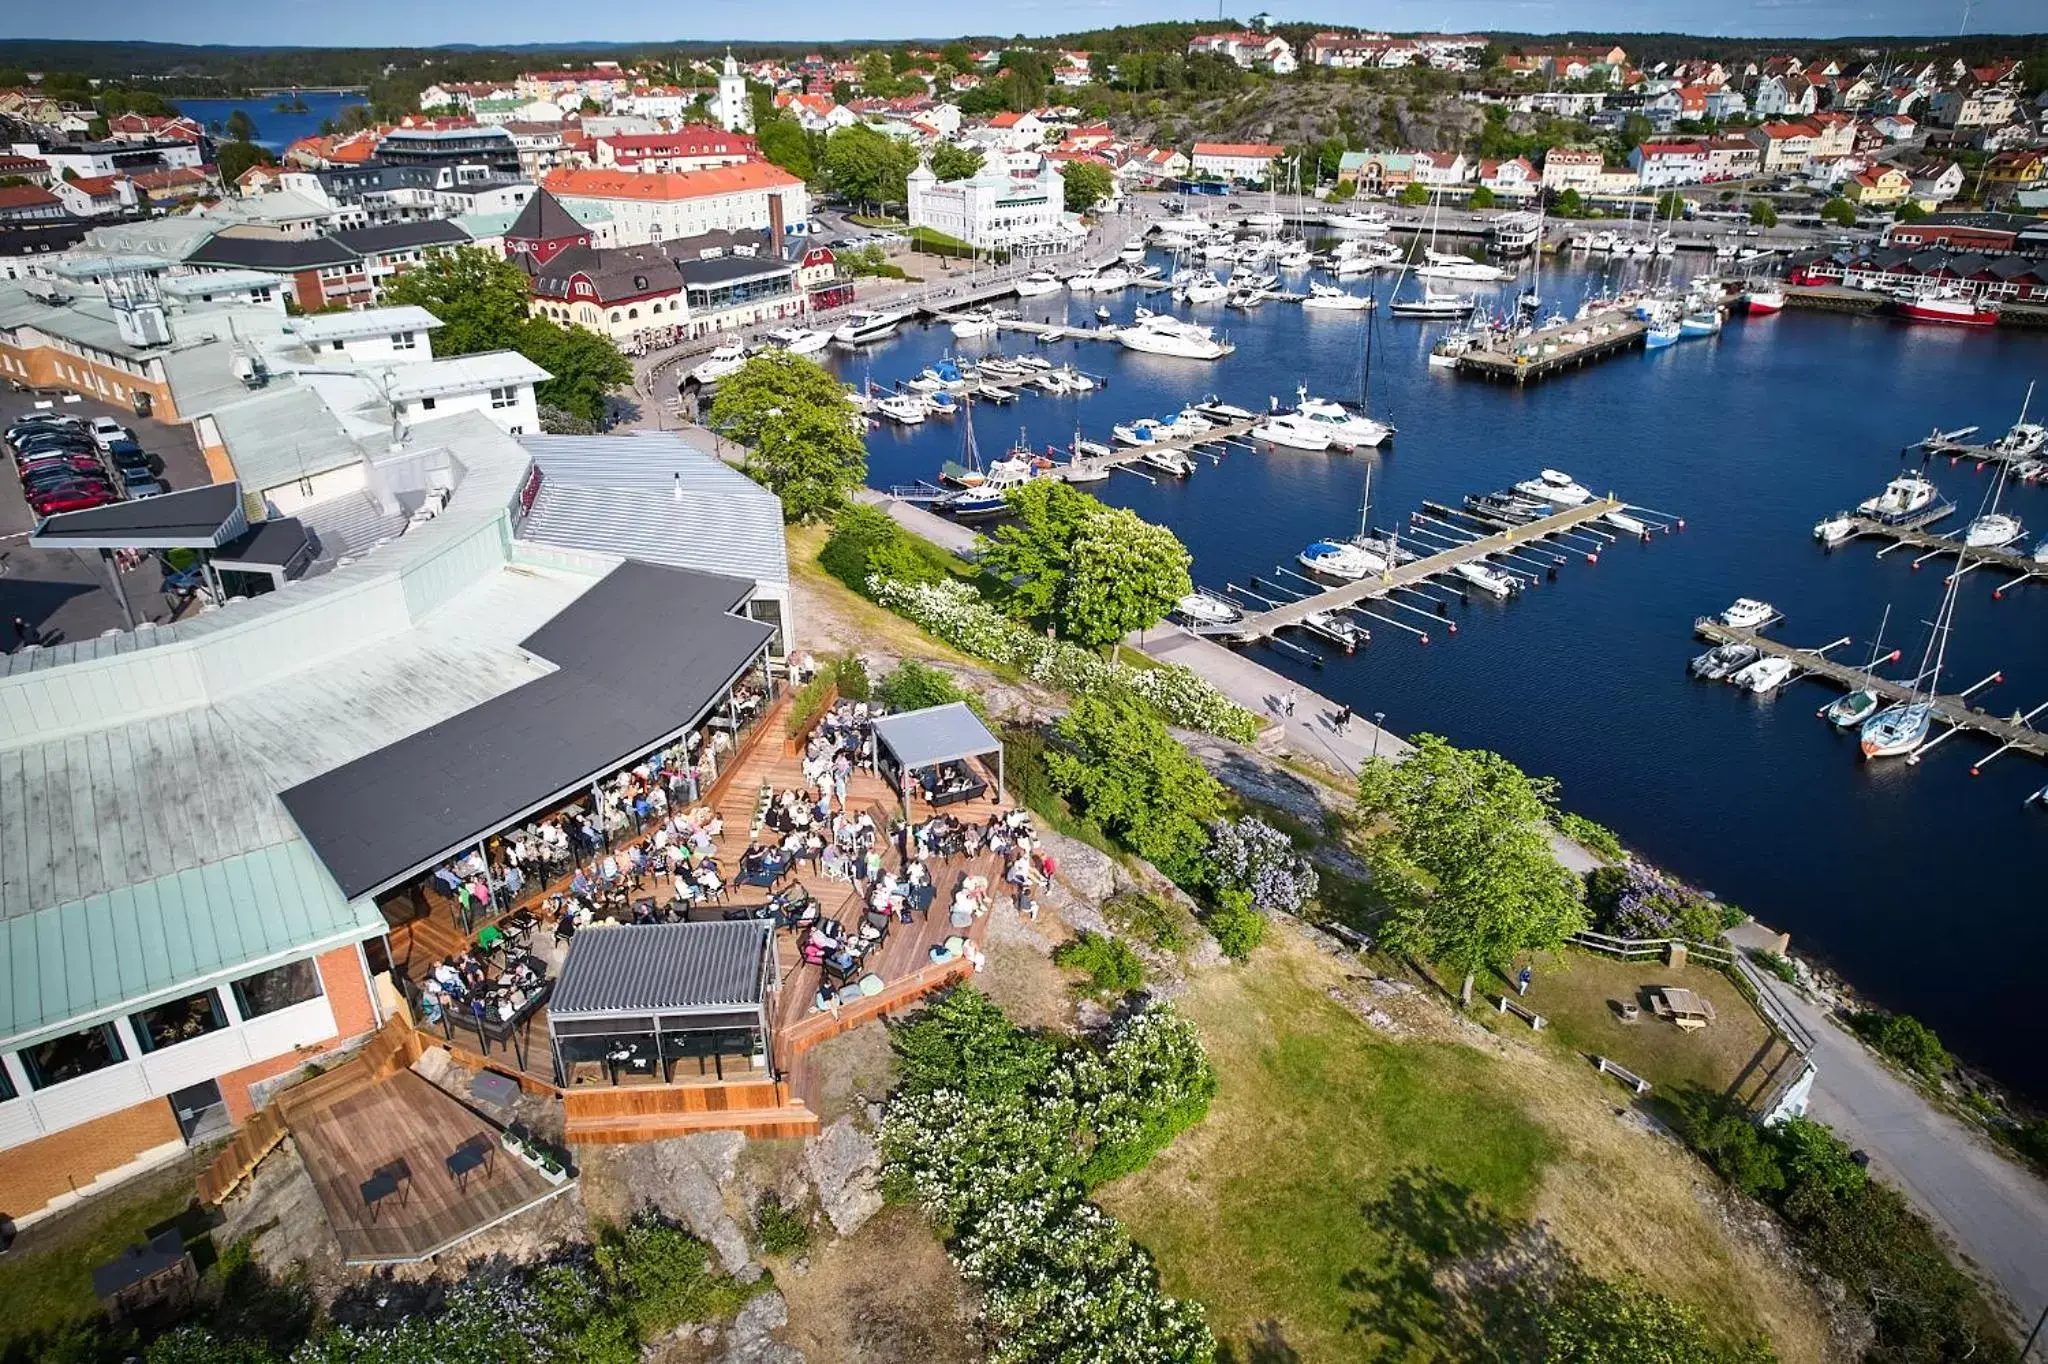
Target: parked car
point(125, 452)
point(138, 481)
point(106, 430)
point(63, 478)
point(72, 497)
point(54, 435)
point(42, 464)
point(38, 420)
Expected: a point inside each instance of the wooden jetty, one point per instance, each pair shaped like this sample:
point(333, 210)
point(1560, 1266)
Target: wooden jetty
point(1122, 456)
point(1910, 534)
point(1954, 711)
point(1262, 624)
point(1546, 352)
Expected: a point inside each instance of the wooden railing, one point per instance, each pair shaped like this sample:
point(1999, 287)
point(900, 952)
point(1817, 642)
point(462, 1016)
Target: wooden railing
point(1635, 949)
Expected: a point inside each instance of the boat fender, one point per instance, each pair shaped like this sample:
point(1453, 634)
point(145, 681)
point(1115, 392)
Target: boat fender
point(1592, 557)
point(1681, 523)
point(1425, 639)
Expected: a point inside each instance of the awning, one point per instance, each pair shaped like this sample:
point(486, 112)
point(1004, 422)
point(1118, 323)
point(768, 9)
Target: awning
point(197, 518)
point(640, 969)
point(937, 734)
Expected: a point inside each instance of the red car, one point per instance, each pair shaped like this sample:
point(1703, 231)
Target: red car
point(71, 497)
point(84, 464)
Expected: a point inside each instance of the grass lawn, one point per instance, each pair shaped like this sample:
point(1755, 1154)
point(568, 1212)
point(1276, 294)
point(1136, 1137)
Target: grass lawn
point(1261, 1212)
point(46, 1279)
point(1576, 994)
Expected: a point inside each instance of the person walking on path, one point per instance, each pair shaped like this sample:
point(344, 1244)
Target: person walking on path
point(1287, 703)
point(1343, 719)
point(24, 633)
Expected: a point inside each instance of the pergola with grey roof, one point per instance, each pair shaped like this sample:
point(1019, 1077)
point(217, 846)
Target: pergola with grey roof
point(637, 998)
point(917, 740)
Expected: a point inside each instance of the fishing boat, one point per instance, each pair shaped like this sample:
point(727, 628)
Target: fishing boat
point(1341, 559)
point(1764, 676)
point(1904, 495)
point(1325, 298)
point(722, 363)
point(1294, 431)
point(1204, 608)
point(1852, 709)
point(1556, 488)
point(1487, 578)
point(907, 409)
point(864, 327)
point(1661, 333)
point(1947, 307)
point(1758, 300)
point(1700, 322)
point(797, 340)
point(1342, 631)
point(1747, 613)
point(1836, 529)
point(1037, 284)
point(1723, 660)
point(1452, 347)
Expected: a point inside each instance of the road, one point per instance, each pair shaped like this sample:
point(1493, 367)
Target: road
point(1995, 1211)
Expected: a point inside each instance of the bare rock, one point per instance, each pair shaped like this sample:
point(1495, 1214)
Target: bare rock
point(438, 1068)
point(1090, 1016)
point(684, 1178)
point(1089, 873)
point(749, 1341)
point(844, 1163)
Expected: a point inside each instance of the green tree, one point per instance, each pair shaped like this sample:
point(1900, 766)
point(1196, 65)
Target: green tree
point(585, 366)
point(953, 162)
point(958, 56)
point(964, 1042)
point(867, 166)
point(1838, 211)
point(1671, 205)
point(1466, 868)
point(1912, 211)
point(480, 299)
point(1114, 758)
point(1482, 198)
point(1634, 131)
point(1033, 552)
point(1088, 183)
point(1125, 575)
point(793, 420)
point(1905, 1039)
point(1762, 214)
point(783, 143)
point(241, 127)
point(1415, 194)
point(234, 159)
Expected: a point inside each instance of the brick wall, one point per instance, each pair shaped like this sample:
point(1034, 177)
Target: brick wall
point(341, 976)
point(48, 367)
point(36, 1172)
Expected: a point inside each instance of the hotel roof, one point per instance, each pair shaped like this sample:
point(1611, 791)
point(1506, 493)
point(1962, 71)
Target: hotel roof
point(668, 185)
point(462, 374)
point(321, 328)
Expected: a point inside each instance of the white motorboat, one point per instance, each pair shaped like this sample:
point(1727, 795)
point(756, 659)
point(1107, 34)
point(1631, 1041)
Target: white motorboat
point(1432, 304)
point(1487, 578)
point(1141, 432)
point(1340, 630)
point(1371, 222)
point(798, 340)
point(1091, 449)
point(1747, 613)
point(1904, 495)
point(1622, 521)
point(1993, 530)
point(864, 327)
point(1341, 559)
point(973, 326)
point(1037, 362)
point(1167, 460)
point(1053, 382)
point(1836, 529)
point(1346, 427)
point(1037, 284)
point(1224, 412)
point(908, 409)
point(1204, 289)
point(1189, 422)
point(1157, 334)
point(1107, 281)
point(1294, 431)
point(1266, 220)
point(2024, 439)
point(1077, 382)
point(1723, 660)
point(1133, 251)
point(722, 363)
point(1323, 297)
point(1765, 675)
point(1202, 608)
point(1556, 488)
point(1446, 265)
point(1297, 256)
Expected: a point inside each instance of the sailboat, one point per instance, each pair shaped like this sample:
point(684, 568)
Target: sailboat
point(1078, 470)
point(1852, 710)
point(1901, 729)
point(1354, 558)
point(1995, 529)
point(1432, 303)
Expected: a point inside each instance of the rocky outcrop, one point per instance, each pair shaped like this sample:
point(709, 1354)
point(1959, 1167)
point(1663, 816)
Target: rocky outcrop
point(844, 1165)
point(748, 1340)
point(686, 1178)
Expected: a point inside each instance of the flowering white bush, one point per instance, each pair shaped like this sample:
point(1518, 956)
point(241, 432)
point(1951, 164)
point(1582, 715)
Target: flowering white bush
point(1062, 1279)
point(1251, 855)
point(956, 613)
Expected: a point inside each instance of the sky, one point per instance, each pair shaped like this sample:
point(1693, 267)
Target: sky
point(364, 23)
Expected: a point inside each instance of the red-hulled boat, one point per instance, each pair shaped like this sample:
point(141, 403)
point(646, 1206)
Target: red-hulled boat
point(1953, 309)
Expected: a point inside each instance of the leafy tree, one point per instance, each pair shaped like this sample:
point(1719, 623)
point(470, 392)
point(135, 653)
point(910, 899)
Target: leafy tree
point(1034, 550)
point(953, 162)
point(480, 299)
point(958, 56)
point(865, 543)
point(234, 159)
point(1115, 759)
point(1635, 130)
point(1126, 575)
point(1415, 194)
point(964, 1042)
point(1762, 214)
point(662, 1275)
point(1466, 868)
point(1482, 198)
point(912, 685)
point(1721, 1130)
point(1912, 211)
point(1838, 211)
point(1905, 1039)
point(1592, 1321)
point(1670, 205)
point(584, 366)
point(193, 1344)
point(792, 417)
point(1088, 183)
point(1570, 204)
point(867, 166)
point(241, 127)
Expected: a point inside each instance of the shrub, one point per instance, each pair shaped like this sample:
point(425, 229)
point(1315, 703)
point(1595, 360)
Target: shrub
point(913, 686)
point(851, 673)
point(1112, 967)
point(781, 1230)
point(1251, 855)
point(808, 702)
point(1776, 963)
point(964, 1043)
point(866, 544)
point(1637, 901)
point(1903, 1038)
point(1150, 920)
point(1236, 926)
point(1596, 838)
point(1722, 1132)
point(1115, 761)
point(663, 1275)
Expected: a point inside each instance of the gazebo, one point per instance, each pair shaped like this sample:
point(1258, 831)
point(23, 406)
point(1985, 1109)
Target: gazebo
point(656, 1003)
point(930, 747)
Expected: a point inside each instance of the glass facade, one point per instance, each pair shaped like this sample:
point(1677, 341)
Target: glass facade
point(266, 992)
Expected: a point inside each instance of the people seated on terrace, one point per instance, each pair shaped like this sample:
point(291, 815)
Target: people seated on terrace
point(833, 863)
point(970, 901)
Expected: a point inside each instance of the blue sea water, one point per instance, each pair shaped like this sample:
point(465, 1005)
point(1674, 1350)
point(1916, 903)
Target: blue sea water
point(274, 130)
point(1923, 884)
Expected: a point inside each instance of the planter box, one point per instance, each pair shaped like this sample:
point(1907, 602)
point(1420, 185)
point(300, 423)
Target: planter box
point(552, 1176)
point(793, 744)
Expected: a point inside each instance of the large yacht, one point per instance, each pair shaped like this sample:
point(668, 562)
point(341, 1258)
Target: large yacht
point(867, 326)
point(1155, 334)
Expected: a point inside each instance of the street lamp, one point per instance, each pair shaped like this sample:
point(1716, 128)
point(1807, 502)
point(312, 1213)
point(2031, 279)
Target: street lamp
point(1377, 717)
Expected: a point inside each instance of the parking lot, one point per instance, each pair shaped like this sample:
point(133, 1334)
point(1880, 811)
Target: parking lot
point(62, 594)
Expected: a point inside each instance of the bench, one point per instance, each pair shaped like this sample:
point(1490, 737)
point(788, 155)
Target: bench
point(1530, 1016)
point(1622, 1073)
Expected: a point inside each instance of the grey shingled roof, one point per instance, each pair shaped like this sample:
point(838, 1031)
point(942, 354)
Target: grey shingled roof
point(936, 734)
point(664, 969)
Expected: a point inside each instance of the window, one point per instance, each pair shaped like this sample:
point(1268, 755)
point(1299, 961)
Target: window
point(6, 1085)
point(278, 988)
point(72, 1055)
point(615, 314)
point(401, 341)
point(505, 397)
point(335, 345)
point(426, 404)
point(179, 1020)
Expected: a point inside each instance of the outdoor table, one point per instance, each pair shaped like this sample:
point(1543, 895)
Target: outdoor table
point(1683, 1007)
point(474, 1154)
point(500, 1091)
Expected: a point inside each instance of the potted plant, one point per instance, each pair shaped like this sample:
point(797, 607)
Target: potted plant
point(551, 1169)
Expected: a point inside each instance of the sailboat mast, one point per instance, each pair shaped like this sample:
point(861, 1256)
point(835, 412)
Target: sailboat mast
point(1365, 506)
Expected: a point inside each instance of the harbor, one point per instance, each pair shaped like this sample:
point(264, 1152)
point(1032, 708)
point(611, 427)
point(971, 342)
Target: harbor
point(1550, 350)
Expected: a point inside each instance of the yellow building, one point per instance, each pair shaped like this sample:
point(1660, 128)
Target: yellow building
point(1880, 188)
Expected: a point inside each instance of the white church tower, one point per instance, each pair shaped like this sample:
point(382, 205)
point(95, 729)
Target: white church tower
point(735, 109)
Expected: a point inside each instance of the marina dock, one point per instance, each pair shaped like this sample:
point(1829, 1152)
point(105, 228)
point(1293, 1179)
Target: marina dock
point(1954, 711)
point(1262, 624)
point(1549, 351)
point(1121, 457)
point(1912, 535)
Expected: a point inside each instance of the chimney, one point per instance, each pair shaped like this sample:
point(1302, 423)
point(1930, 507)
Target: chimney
point(676, 489)
point(775, 223)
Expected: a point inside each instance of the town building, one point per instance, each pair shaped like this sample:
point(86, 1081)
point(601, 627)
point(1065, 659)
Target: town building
point(995, 208)
point(112, 157)
point(1515, 177)
point(1572, 168)
point(1261, 51)
point(1879, 187)
point(1783, 147)
point(662, 206)
point(30, 203)
point(1245, 163)
point(1660, 165)
point(470, 152)
point(692, 147)
point(350, 267)
point(733, 107)
point(675, 290)
point(96, 196)
point(1377, 172)
point(1732, 158)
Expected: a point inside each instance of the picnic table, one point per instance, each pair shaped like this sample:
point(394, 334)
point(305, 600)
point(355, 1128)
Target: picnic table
point(1684, 1007)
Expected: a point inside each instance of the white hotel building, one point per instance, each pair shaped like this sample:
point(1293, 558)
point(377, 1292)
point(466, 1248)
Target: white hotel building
point(994, 208)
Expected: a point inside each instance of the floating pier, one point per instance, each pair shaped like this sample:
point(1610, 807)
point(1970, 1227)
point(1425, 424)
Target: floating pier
point(1547, 351)
point(1954, 711)
point(1909, 534)
point(1088, 467)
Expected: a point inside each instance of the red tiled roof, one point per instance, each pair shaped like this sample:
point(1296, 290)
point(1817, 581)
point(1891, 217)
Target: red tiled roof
point(1238, 149)
point(597, 184)
point(98, 186)
point(26, 196)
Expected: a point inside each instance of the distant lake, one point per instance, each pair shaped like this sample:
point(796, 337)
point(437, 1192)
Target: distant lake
point(273, 129)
